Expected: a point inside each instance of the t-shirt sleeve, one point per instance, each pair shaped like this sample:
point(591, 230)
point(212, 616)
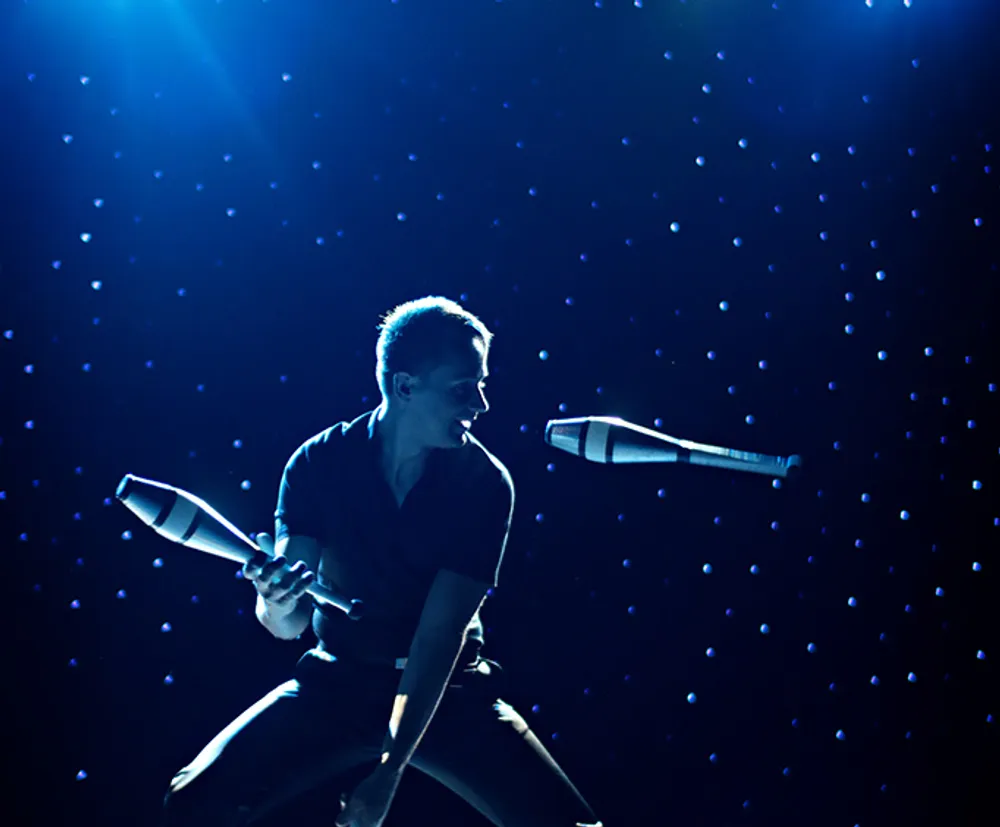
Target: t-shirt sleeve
point(298, 494)
point(480, 549)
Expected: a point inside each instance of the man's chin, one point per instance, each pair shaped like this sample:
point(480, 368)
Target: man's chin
point(458, 433)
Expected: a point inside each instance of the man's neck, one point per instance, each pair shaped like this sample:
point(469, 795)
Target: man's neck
point(400, 461)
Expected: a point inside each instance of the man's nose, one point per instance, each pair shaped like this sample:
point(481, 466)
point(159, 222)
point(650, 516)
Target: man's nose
point(479, 404)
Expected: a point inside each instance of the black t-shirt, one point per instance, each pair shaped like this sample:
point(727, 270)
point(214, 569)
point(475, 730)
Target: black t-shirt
point(456, 517)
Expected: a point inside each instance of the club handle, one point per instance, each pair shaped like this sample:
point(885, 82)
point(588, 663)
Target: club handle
point(353, 608)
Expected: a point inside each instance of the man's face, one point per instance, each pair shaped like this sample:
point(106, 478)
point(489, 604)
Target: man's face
point(451, 393)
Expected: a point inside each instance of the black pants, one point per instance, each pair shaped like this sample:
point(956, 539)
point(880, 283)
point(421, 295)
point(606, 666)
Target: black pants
point(327, 726)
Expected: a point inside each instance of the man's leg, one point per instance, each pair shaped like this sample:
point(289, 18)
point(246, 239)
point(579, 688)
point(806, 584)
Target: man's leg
point(304, 733)
point(483, 750)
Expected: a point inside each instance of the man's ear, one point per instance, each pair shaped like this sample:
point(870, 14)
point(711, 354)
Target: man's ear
point(402, 384)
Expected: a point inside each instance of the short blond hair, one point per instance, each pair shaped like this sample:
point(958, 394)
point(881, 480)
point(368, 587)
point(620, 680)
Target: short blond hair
point(419, 335)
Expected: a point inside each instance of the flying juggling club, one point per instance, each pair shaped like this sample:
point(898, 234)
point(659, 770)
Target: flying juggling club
point(609, 439)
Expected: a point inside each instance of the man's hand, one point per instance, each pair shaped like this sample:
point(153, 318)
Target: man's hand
point(370, 800)
point(279, 584)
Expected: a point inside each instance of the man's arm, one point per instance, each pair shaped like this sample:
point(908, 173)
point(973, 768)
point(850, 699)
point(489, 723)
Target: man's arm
point(295, 619)
point(451, 604)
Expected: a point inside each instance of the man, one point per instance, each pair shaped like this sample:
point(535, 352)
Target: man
point(406, 510)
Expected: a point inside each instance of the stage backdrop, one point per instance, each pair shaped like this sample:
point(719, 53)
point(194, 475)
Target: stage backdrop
point(766, 226)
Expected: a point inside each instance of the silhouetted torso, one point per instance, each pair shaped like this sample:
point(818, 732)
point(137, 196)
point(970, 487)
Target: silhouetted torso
point(385, 546)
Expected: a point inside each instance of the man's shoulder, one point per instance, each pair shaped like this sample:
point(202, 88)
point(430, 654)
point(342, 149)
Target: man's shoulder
point(335, 439)
point(487, 468)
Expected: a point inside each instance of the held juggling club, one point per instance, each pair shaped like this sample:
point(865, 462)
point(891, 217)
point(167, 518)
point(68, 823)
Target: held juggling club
point(184, 518)
point(612, 440)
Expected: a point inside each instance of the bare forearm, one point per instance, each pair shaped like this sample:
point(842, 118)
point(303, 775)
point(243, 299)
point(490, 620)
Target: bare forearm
point(284, 626)
point(431, 661)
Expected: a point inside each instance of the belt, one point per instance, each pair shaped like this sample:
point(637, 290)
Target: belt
point(482, 664)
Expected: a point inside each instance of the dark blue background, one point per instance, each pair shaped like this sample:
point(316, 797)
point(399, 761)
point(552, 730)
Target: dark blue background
point(260, 326)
